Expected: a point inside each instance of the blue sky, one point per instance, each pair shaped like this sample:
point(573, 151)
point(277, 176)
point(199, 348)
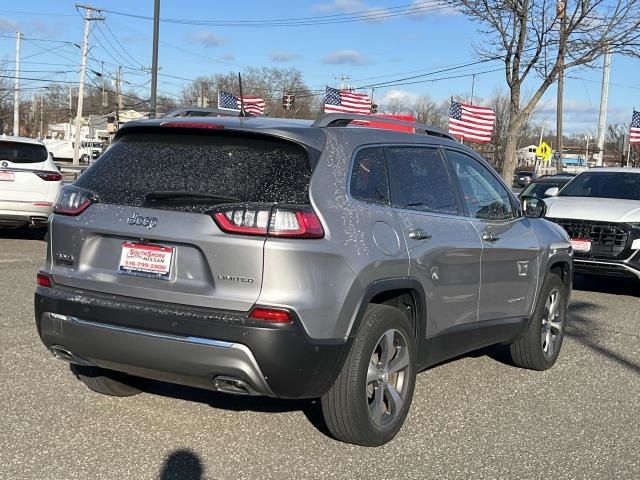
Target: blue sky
point(367, 51)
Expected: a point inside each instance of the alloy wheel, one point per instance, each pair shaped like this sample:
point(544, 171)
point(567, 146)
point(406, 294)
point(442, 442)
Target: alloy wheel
point(388, 378)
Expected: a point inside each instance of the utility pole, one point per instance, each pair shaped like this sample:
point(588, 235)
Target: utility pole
point(119, 87)
point(88, 18)
point(154, 59)
point(40, 133)
point(473, 84)
point(16, 89)
point(561, 7)
point(604, 98)
point(342, 78)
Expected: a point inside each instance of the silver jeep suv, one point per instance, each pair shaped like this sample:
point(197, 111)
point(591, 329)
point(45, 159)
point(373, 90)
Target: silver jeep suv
point(294, 259)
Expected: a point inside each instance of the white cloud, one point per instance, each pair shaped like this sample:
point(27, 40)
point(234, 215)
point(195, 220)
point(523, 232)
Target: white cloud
point(8, 26)
point(347, 6)
point(283, 56)
point(206, 39)
point(421, 9)
point(345, 57)
point(578, 116)
point(229, 56)
point(398, 96)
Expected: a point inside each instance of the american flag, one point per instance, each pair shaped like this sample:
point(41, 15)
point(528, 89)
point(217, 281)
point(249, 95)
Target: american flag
point(343, 101)
point(634, 133)
point(470, 122)
point(252, 104)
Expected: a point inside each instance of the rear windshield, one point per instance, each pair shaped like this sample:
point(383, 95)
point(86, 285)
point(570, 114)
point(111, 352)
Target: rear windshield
point(144, 169)
point(619, 185)
point(17, 152)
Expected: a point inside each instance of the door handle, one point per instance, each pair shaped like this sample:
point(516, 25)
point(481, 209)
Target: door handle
point(490, 237)
point(418, 234)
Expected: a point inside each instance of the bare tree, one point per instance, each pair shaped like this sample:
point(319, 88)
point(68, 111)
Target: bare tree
point(268, 83)
point(540, 36)
point(427, 111)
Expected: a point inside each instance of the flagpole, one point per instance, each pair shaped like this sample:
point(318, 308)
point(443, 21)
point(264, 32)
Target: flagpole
point(242, 112)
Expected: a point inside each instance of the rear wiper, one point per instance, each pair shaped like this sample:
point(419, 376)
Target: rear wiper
point(177, 194)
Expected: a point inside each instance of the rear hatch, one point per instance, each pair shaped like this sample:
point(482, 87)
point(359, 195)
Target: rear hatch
point(156, 193)
point(23, 173)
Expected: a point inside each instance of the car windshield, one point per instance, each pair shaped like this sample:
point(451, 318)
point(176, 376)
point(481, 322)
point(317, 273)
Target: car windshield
point(619, 185)
point(537, 189)
point(17, 152)
point(525, 174)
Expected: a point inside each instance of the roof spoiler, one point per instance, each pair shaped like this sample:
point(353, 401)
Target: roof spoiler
point(201, 112)
point(344, 119)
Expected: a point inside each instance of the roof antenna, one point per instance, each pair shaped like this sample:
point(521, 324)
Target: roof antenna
point(242, 111)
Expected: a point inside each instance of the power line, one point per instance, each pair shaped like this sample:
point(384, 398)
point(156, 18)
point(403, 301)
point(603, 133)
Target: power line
point(111, 51)
point(126, 51)
point(415, 8)
point(16, 12)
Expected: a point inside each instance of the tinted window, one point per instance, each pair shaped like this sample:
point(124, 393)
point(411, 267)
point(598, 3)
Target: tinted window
point(484, 196)
point(419, 180)
point(241, 168)
point(619, 185)
point(17, 152)
point(369, 176)
point(538, 189)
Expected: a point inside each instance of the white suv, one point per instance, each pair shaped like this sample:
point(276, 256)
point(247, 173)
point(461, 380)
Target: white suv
point(29, 182)
point(600, 210)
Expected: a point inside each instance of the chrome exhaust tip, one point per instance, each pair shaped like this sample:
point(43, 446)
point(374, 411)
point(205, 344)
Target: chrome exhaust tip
point(62, 353)
point(232, 385)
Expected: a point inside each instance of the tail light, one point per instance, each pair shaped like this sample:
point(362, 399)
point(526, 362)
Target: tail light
point(72, 201)
point(272, 315)
point(49, 176)
point(44, 280)
point(272, 222)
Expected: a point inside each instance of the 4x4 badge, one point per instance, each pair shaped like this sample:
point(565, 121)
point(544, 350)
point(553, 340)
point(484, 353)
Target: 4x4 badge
point(142, 221)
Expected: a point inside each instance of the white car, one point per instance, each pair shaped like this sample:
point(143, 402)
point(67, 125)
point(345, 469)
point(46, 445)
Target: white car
point(29, 183)
point(600, 210)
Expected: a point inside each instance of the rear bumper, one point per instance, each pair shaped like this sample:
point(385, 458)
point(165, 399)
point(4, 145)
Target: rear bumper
point(16, 214)
point(186, 346)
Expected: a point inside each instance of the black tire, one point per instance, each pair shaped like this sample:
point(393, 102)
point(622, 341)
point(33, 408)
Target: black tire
point(109, 382)
point(538, 348)
point(362, 411)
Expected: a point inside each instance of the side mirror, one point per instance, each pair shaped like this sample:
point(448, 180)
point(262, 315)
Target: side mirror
point(551, 192)
point(533, 207)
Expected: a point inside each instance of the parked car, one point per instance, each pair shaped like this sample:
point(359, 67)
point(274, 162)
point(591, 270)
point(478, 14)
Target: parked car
point(600, 210)
point(522, 179)
point(291, 259)
point(540, 185)
point(29, 183)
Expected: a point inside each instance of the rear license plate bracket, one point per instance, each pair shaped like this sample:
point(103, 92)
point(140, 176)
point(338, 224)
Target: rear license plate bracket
point(146, 260)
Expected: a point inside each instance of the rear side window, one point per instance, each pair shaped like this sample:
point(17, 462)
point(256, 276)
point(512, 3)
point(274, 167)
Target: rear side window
point(419, 180)
point(369, 176)
point(143, 169)
point(17, 152)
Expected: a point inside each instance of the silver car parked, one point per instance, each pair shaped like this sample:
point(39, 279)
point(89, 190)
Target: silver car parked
point(294, 259)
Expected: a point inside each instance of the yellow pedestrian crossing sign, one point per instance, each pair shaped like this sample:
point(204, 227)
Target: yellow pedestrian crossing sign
point(544, 151)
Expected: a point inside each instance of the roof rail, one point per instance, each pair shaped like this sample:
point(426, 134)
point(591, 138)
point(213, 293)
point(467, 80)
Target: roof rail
point(344, 119)
point(200, 112)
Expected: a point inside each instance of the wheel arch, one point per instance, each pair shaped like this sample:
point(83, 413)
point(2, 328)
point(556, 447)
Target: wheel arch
point(404, 293)
point(563, 268)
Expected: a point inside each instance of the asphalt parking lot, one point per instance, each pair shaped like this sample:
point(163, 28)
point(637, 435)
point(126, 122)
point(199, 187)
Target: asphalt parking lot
point(475, 417)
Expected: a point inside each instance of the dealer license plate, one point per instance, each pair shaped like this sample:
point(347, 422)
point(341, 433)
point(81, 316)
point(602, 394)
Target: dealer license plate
point(142, 260)
point(7, 176)
point(581, 245)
